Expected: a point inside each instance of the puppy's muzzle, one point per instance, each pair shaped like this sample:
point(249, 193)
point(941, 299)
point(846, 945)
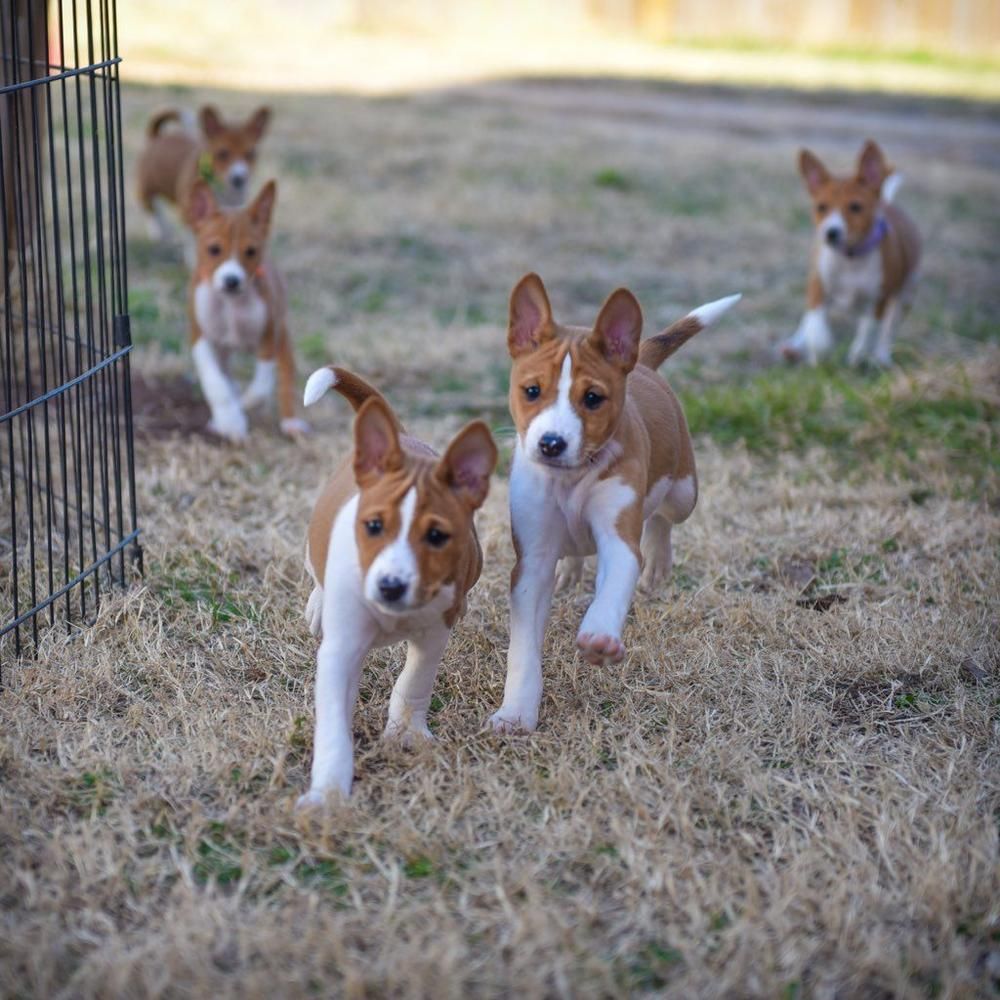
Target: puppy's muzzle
point(551, 445)
point(391, 589)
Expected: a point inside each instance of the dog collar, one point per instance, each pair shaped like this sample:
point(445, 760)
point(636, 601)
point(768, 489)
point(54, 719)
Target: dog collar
point(205, 171)
point(872, 240)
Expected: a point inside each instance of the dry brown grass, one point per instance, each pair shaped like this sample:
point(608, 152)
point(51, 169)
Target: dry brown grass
point(789, 789)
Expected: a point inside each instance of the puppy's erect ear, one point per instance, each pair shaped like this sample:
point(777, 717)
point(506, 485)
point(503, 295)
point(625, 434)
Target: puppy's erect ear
point(813, 172)
point(618, 329)
point(201, 204)
point(257, 123)
point(530, 321)
point(211, 123)
point(872, 168)
point(468, 463)
point(376, 442)
point(263, 205)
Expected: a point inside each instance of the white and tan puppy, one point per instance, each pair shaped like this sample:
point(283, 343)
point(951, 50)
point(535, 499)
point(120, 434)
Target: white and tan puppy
point(603, 463)
point(864, 260)
point(393, 551)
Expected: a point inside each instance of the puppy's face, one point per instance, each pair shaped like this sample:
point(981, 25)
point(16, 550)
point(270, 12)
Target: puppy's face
point(231, 150)
point(415, 514)
point(230, 244)
point(845, 209)
point(567, 386)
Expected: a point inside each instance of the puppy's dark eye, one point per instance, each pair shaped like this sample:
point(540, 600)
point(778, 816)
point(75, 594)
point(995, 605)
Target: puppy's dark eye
point(592, 400)
point(532, 392)
point(222, 155)
point(436, 538)
point(251, 251)
point(214, 249)
point(374, 526)
point(822, 207)
point(855, 207)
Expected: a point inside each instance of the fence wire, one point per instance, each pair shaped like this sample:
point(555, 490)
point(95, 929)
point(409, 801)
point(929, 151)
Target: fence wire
point(68, 526)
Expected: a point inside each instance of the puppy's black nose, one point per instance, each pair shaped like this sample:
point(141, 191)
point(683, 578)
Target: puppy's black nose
point(833, 236)
point(230, 282)
point(237, 181)
point(391, 588)
point(552, 445)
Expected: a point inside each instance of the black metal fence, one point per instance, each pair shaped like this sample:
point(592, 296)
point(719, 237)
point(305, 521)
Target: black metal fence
point(67, 487)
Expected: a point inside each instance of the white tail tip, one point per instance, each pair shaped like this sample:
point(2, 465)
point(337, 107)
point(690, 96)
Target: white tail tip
point(891, 186)
point(320, 380)
point(711, 311)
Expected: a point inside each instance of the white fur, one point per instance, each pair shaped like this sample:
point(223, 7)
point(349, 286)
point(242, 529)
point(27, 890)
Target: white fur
point(351, 625)
point(617, 566)
point(318, 383)
point(864, 339)
point(261, 387)
point(230, 320)
point(559, 418)
point(832, 222)
point(231, 268)
point(711, 311)
point(397, 559)
point(813, 339)
point(228, 418)
point(849, 281)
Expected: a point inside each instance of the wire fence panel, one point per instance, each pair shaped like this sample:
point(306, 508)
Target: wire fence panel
point(68, 526)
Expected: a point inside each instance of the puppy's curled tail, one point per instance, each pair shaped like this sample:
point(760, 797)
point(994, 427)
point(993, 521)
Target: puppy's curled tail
point(160, 119)
point(654, 351)
point(352, 387)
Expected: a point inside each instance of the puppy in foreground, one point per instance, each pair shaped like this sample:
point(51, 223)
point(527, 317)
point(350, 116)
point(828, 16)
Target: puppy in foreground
point(603, 462)
point(393, 551)
point(173, 159)
point(864, 259)
point(237, 302)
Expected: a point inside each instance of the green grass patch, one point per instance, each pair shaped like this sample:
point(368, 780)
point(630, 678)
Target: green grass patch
point(206, 584)
point(313, 348)
point(857, 418)
point(613, 180)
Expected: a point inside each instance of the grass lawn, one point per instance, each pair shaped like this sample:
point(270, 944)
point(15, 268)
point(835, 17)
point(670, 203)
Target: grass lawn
point(790, 788)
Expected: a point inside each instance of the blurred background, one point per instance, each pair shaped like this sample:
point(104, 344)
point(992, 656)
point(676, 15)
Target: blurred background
point(944, 46)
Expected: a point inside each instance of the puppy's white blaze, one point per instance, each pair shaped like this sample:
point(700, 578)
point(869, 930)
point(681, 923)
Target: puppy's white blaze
point(891, 186)
point(559, 418)
point(397, 559)
point(240, 169)
point(834, 220)
point(711, 311)
point(319, 382)
point(231, 268)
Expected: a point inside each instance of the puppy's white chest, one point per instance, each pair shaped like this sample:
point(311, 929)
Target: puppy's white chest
point(230, 321)
point(848, 281)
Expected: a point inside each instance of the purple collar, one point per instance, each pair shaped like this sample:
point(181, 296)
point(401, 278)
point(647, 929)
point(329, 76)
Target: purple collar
point(872, 240)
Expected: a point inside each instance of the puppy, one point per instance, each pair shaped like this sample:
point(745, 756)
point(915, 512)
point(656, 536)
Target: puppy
point(865, 258)
point(173, 160)
point(237, 302)
point(603, 462)
point(393, 550)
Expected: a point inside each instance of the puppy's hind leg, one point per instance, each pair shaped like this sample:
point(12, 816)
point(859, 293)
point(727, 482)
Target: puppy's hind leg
point(657, 552)
point(314, 611)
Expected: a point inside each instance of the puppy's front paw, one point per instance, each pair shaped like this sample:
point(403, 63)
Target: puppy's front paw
point(511, 720)
point(229, 424)
point(318, 799)
point(600, 650)
point(295, 427)
point(409, 736)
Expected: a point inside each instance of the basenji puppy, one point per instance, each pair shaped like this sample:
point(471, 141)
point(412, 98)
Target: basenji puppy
point(237, 302)
point(393, 551)
point(603, 462)
point(174, 159)
point(864, 258)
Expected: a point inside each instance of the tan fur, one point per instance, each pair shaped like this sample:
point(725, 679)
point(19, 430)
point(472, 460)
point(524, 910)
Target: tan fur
point(243, 234)
point(640, 422)
point(441, 502)
point(171, 162)
point(858, 199)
